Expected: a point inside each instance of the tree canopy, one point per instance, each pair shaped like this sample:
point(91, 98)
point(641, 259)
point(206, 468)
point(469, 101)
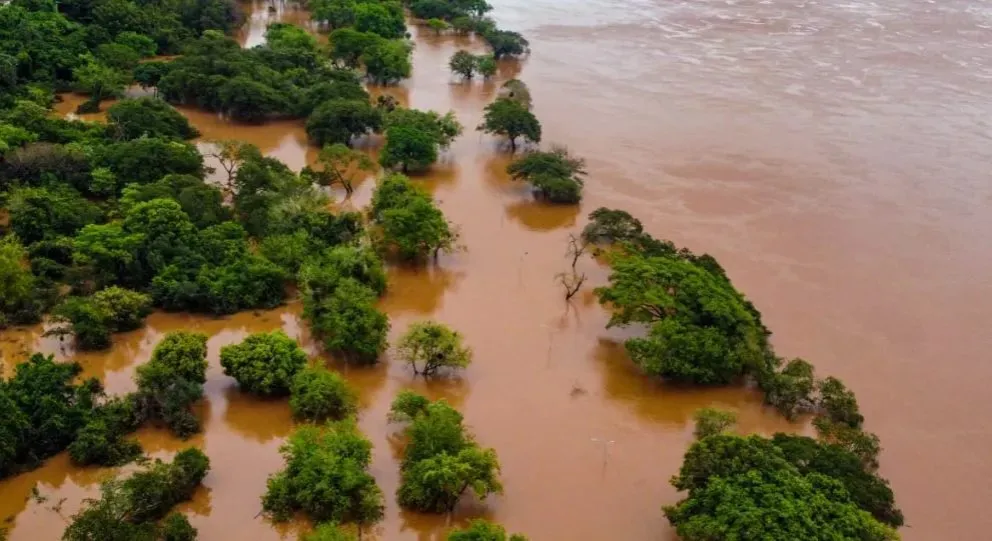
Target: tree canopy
point(264, 363)
point(428, 346)
point(326, 477)
point(411, 225)
point(318, 395)
point(508, 118)
point(555, 175)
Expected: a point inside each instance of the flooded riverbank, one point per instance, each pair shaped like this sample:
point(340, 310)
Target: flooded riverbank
point(833, 158)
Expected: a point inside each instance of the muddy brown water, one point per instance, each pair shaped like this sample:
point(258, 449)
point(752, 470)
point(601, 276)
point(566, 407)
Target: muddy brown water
point(833, 156)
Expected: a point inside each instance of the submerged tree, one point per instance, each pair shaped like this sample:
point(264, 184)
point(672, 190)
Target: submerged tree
point(711, 421)
point(463, 63)
point(264, 363)
point(555, 175)
point(341, 165)
point(510, 119)
point(428, 346)
point(482, 530)
point(318, 394)
point(172, 381)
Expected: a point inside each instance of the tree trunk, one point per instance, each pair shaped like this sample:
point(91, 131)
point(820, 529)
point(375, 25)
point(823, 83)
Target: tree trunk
point(513, 144)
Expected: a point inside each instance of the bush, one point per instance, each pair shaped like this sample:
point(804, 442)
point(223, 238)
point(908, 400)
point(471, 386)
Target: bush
point(428, 347)
point(148, 117)
point(264, 363)
point(338, 121)
point(326, 477)
point(101, 441)
point(481, 530)
point(92, 319)
point(348, 322)
point(172, 381)
point(317, 395)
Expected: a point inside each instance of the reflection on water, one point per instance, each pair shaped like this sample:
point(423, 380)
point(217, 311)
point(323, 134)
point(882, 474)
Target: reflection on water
point(833, 157)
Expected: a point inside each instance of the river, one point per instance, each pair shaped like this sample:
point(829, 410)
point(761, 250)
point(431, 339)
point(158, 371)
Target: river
point(834, 157)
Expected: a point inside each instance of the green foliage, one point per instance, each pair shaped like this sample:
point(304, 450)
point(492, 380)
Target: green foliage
point(338, 121)
point(264, 363)
point(839, 404)
point(463, 63)
point(128, 509)
point(92, 319)
point(780, 504)
point(555, 175)
point(712, 421)
point(791, 389)
point(108, 254)
point(384, 19)
point(172, 381)
point(99, 81)
point(148, 159)
point(387, 61)
point(344, 86)
point(47, 164)
point(348, 45)
point(435, 484)
point(438, 26)
point(148, 117)
point(318, 395)
point(508, 118)
point(610, 226)
point(486, 66)
point(441, 460)
point(117, 56)
point(101, 441)
point(702, 330)
point(175, 527)
point(202, 202)
point(326, 477)
point(139, 43)
point(45, 213)
point(148, 74)
point(334, 13)
point(411, 225)
point(42, 409)
point(729, 457)
point(428, 347)
point(348, 323)
point(505, 43)
point(341, 165)
point(321, 274)
point(409, 148)
point(19, 299)
point(14, 136)
point(328, 531)
point(482, 530)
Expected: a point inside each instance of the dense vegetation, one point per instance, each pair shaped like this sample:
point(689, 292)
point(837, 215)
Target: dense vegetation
point(106, 221)
point(441, 461)
point(326, 477)
point(137, 508)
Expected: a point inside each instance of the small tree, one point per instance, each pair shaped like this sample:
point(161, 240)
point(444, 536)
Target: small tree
point(318, 395)
point(486, 65)
point(339, 121)
point(555, 174)
point(151, 117)
point(435, 484)
point(710, 421)
point(231, 153)
point(463, 63)
point(510, 119)
point(328, 531)
point(99, 82)
point(438, 26)
point(349, 323)
point(428, 346)
point(341, 166)
point(172, 381)
point(264, 363)
point(326, 477)
point(482, 530)
point(409, 147)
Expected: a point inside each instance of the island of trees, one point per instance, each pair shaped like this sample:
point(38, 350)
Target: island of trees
point(106, 222)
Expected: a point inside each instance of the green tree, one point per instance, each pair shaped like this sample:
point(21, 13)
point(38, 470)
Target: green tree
point(791, 389)
point(341, 165)
point(318, 395)
point(101, 441)
point(99, 82)
point(202, 202)
point(108, 254)
point(42, 213)
point(387, 61)
point(463, 63)
point(416, 229)
point(486, 65)
point(428, 347)
point(348, 322)
point(482, 530)
point(328, 531)
point(338, 121)
point(166, 232)
point(838, 404)
point(507, 118)
point(555, 174)
point(172, 381)
point(437, 483)
point(117, 56)
point(148, 159)
point(781, 504)
point(505, 43)
point(326, 477)
point(140, 43)
point(92, 319)
point(701, 329)
point(334, 13)
point(384, 19)
point(264, 363)
point(322, 274)
point(348, 45)
point(148, 74)
point(342, 88)
point(444, 128)
point(438, 26)
point(151, 117)
point(128, 509)
point(611, 226)
point(711, 421)
point(249, 100)
point(408, 147)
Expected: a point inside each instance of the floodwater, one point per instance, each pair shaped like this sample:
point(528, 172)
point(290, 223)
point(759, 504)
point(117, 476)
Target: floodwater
point(834, 158)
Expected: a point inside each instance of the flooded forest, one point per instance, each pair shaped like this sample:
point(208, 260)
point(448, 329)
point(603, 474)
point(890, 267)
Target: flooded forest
point(692, 270)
